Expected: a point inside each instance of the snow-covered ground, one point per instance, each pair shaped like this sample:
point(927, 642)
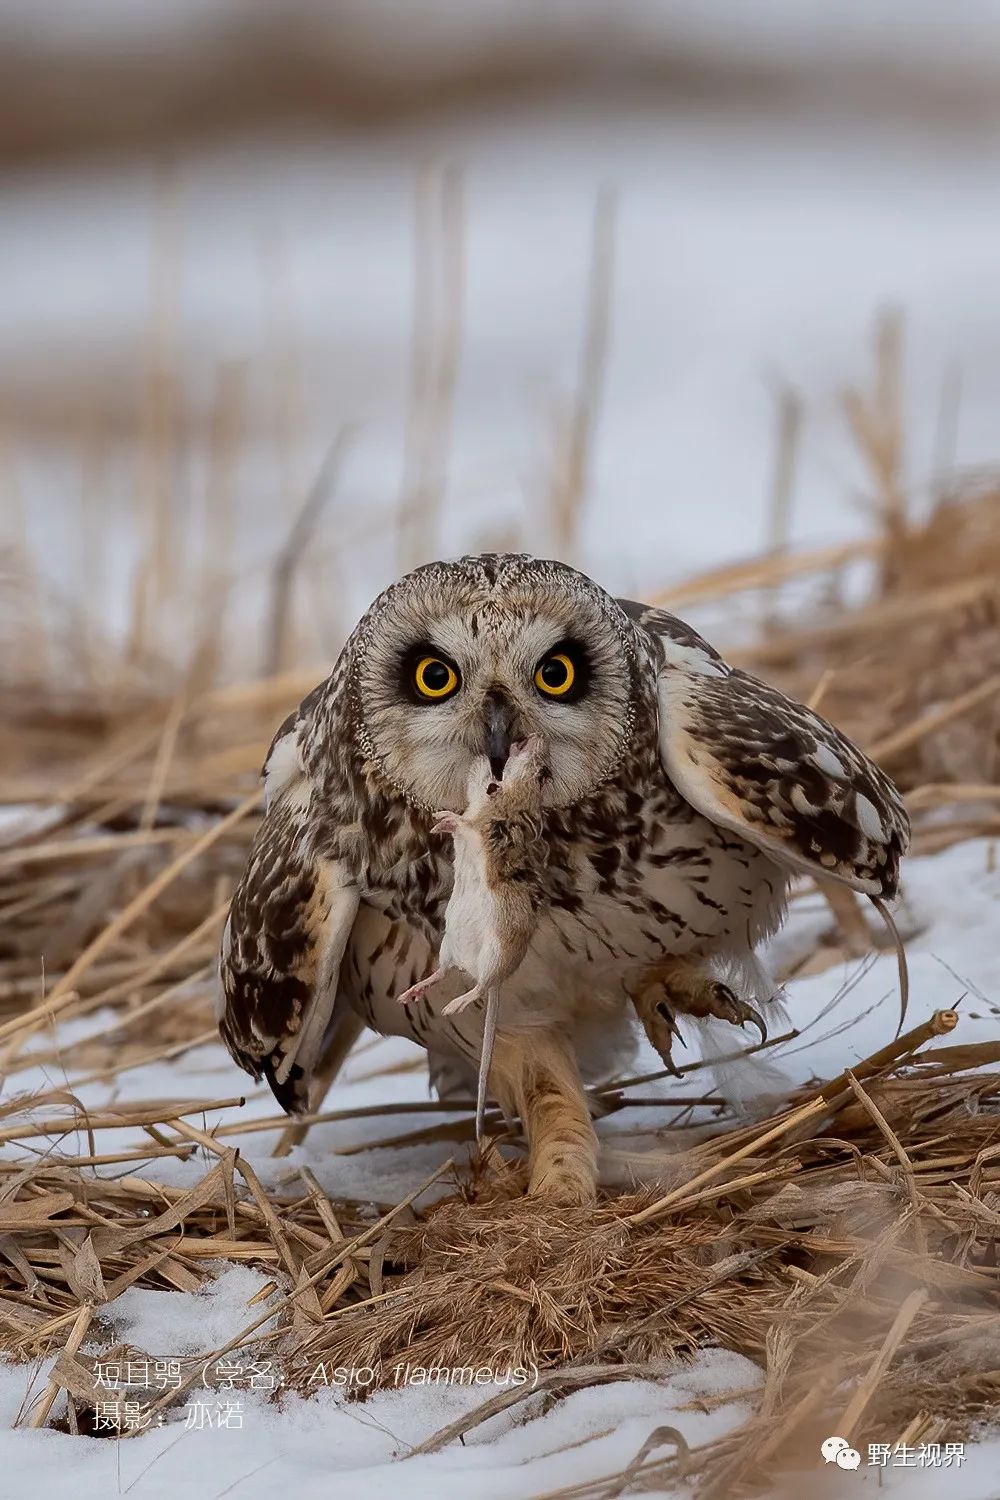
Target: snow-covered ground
point(750, 247)
point(327, 1446)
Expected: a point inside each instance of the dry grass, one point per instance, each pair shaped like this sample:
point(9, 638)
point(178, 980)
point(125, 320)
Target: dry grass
point(847, 1247)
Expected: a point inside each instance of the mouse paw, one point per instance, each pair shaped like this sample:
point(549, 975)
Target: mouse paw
point(419, 990)
point(462, 1002)
point(415, 992)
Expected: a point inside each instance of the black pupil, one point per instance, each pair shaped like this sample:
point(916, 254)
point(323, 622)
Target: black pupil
point(554, 673)
point(436, 676)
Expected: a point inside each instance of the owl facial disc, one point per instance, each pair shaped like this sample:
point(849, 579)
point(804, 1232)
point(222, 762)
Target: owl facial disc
point(459, 660)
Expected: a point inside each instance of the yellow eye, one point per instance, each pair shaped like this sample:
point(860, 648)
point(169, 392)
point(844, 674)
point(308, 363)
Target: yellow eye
point(434, 678)
point(555, 676)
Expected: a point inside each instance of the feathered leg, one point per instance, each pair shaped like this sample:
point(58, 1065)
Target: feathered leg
point(536, 1076)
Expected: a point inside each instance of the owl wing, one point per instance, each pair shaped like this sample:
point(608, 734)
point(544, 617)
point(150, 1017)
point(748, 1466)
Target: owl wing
point(289, 924)
point(763, 766)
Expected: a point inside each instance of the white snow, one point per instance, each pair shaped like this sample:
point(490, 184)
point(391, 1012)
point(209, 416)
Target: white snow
point(325, 1445)
point(750, 247)
point(152, 1321)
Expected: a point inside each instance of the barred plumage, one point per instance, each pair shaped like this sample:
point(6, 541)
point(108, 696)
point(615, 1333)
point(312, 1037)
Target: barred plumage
point(681, 794)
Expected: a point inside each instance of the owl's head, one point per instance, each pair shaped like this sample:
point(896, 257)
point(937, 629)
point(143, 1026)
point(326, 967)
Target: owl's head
point(459, 660)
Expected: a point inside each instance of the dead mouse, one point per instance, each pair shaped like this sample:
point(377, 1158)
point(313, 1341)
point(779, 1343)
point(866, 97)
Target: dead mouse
point(497, 892)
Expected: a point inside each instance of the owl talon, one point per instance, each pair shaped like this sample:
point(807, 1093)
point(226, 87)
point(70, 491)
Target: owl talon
point(663, 1009)
point(756, 1019)
point(726, 1006)
point(662, 1030)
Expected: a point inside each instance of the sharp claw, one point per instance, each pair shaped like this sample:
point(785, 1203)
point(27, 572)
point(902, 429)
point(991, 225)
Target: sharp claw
point(756, 1019)
point(739, 1012)
point(673, 1033)
point(664, 1010)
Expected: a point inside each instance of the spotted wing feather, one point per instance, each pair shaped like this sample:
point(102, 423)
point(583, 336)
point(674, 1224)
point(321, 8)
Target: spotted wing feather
point(756, 762)
point(289, 924)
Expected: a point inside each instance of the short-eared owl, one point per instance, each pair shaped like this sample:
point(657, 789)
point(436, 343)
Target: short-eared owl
point(681, 795)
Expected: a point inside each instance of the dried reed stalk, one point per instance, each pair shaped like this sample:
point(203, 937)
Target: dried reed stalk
point(847, 1246)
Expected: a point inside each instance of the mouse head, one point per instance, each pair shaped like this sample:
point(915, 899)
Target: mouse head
point(526, 761)
point(489, 798)
point(523, 775)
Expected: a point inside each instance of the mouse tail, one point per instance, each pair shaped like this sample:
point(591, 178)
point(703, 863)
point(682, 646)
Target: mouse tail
point(486, 1056)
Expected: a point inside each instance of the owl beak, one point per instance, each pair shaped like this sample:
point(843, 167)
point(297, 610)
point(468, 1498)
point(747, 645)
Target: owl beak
point(499, 731)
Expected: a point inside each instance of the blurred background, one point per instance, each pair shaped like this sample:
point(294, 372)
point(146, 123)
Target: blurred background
point(295, 294)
